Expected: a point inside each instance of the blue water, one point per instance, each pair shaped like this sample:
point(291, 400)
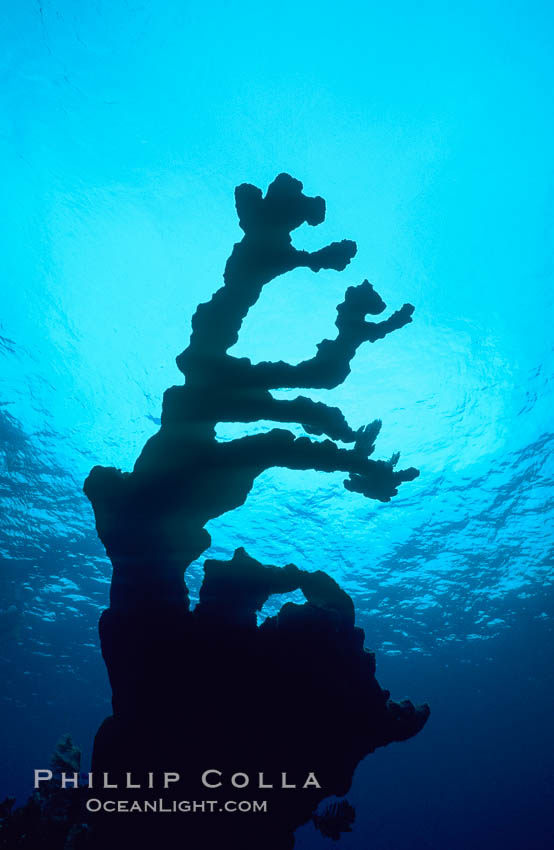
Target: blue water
point(428, 128)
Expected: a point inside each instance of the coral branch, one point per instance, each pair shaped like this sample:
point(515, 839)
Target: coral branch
point(278, 448)
point(331, 365)
point(264, 253)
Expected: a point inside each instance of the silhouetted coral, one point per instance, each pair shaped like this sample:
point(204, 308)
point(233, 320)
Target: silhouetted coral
point(52, 818)
point(211, 689)
point(335, 819)
point(184, 477)
point(295, 697)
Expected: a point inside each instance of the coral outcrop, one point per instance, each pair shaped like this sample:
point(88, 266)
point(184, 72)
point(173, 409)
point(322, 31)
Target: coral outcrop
point(294, 701)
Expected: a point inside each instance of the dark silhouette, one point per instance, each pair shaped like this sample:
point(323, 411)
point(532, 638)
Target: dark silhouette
point(184, 476)
point(335, 819)
point(209, 689)
point(52, 818)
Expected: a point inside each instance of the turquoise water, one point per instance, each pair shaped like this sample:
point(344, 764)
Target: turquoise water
point(429, 131)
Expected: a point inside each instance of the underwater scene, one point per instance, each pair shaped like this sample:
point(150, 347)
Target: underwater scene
point(354, 432)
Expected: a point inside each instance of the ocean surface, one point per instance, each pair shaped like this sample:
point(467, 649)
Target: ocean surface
point(125, 127)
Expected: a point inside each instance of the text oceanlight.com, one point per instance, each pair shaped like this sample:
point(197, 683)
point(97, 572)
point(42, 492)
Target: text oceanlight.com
point(175, 806)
